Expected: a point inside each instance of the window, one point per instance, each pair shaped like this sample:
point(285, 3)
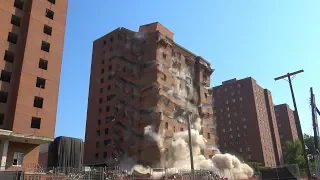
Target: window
point(38, 102)
point(105, 154)
point(47, 30)
point(110, 67)
point(111, 39)
point(98, 132)
point(5, 76)
point(109, 77)
point(3, 97)
point(110, 49)
point(233, 100)
point(107, 142)
point(174, 129)
point(167, 125)
point(41, 83)
point(17, 159)
point(181, 129)
point(52, 1)
point(101, 80)
point(101, 90)
point(12, 38)
point(208, 135)
point(49, 14)
point(240, 99)
point(35, 122)
point(109, 87)
point(43, 64)
point(99, 122)
point(107, 109)
point(15, 20)
point(45, 46)
point(18, 4)
point(1, 118)
point(97, 144)
point(102, 70)
point(8, 56)
point(96, 155)
point(102, 62)
point(106, 131)
point(227, 102)
point(164, 55)
point(100, 101)
point(104, 42)
point(228, 115)
point(100, 110)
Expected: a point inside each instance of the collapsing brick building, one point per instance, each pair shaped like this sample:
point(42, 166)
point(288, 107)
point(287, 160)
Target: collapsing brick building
point(140, 79)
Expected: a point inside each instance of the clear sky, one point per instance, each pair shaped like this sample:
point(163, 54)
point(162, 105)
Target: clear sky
point(240, 38)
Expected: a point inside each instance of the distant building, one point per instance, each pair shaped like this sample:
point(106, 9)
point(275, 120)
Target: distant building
point(286, 124)
point(32, 38)
point(246, 122)
point(139, 79)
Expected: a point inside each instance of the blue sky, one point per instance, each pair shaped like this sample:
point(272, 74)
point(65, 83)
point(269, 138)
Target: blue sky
point(240, 38)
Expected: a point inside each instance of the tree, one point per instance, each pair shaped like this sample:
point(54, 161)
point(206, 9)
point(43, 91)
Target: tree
point(310, 146)
point(293, 153)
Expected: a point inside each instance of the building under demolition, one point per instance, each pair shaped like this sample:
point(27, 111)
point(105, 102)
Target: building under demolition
point(141, 79)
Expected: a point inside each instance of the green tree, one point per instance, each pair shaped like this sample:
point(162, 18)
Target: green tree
point(293, 153)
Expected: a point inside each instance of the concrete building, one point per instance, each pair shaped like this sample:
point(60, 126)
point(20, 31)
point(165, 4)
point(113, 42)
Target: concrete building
point(246, 122)
point(286, 124)
point(31, 44)
point(140, 79)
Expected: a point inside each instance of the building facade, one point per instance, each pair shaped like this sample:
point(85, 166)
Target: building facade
point(31, 44)
point(286, 124)
point(246, 122)
point(141, 79)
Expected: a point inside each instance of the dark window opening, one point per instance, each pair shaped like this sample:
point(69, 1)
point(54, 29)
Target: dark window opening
point(101, 80)
point(110, 97)
point(41, 83)
point(100, 110)
point(102, 61)
point(47, 30)
point(111, 39)
point(5, 76)
point(164, 55)
point(97, 144)
point(38, 102)
point(43, 64)
point(106, 131)
point(181, 129)
point(107, 142)
point(15, 20)
point(109, 87)
point(110, 67)
point(18, 4)
point(1, 118)
point(52, 1)
point(105, 154)
point(35, 122)
point(96, 155)
point(49, 14)
point(109, 77)
point(107, 109)
point(208, 135)
point(99, 121)
point(167, 125)
point(124, 69)
point(98, 132)
point(104, 42)
point(124, 114)
point(102, 70)
point(101, 90)
point(8, 56)
point(109, 119)
point(45, 46)
point(100, 101)
point(3, 97)
point(12, 38)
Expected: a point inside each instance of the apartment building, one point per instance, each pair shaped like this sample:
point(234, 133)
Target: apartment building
point(31, 45)
point(286, 124)
point(141, 79)
point(246, 121)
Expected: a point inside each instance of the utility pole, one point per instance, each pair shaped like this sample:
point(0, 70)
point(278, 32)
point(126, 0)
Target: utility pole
point(314, 120)
point(297, 120)
point(190, 146)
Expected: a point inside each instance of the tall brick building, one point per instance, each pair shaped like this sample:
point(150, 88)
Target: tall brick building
point(139, 79)
point(246, 121)
point(286, 124)
point(31, 46)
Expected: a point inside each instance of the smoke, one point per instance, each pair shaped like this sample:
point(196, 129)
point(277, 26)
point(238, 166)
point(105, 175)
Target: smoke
point(177, 157)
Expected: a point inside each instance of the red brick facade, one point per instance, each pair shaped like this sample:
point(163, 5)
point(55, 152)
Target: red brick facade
point(134, 83)
point(31, 45)
point(246, 124)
